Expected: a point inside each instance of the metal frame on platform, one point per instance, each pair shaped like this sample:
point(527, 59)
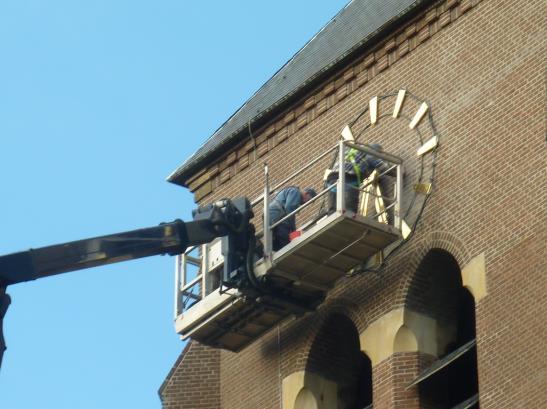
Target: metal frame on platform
point(219, 318)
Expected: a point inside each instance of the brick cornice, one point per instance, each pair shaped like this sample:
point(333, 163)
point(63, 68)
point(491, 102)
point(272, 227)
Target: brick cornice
point(344, 82)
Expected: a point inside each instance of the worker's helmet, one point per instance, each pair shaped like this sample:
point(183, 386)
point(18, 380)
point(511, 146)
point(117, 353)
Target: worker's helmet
point(310, 192)
point(376, 147)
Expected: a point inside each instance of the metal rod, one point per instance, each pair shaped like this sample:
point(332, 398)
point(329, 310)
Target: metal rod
point(204, 263)
point(362, 189)
point(177, 286)
point(298, 172)
point(192, 283)
point(373, 152)
point(189, 294)
point(385, 172)
point(385, 210)
point(266, 228)
point(308, 203)
point(313, 162)
point(257, 200)
point(340, 196)
point(398, 198)
point(193, 260)
point(325, 262)
point(184, 270)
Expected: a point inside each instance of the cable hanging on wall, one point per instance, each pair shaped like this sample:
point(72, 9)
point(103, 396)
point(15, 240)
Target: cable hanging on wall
point(419, 189)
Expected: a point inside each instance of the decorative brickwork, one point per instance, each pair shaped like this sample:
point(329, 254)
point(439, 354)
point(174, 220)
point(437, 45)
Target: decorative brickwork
point(345, 82)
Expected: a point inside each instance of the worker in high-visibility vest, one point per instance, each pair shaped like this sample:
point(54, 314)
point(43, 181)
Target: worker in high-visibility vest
point(357, 167)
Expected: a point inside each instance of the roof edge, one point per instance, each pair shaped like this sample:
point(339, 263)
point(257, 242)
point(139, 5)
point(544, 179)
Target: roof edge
point(181, 175)
point(180, 358)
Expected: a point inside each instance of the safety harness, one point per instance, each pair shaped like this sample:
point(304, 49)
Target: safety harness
point(350, 156)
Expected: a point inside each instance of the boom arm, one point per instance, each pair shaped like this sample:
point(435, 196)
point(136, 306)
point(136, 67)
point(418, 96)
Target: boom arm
point(60, 258)
point(225, 217)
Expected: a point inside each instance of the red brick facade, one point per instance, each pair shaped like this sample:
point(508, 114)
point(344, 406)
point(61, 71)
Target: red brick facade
point(194, 380)
point(481, 66)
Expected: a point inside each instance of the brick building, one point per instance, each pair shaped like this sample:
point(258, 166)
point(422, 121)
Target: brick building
point(453, 314)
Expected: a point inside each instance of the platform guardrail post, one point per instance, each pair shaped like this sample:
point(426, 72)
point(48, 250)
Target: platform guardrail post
point(399, 195)
point(178, 260)
point(204, 266)
point(266, 228)
point(340, 196)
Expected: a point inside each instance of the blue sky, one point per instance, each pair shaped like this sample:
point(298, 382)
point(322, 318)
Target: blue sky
point(99, 102)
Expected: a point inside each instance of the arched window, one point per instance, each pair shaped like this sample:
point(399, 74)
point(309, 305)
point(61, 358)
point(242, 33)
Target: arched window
point(335, 355)
point(437, 291)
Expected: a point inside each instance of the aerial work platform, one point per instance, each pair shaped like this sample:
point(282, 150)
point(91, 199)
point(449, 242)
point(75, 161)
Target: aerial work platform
point(295, 279)
point(329, 249)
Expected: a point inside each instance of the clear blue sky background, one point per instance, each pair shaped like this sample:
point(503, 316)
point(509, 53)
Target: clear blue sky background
point(99, 101)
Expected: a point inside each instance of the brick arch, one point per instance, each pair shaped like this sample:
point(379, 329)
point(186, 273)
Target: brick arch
point(346, 307)
point(301, 334)
point(433, 290)
point(335, 355)
point(333, 325)
point(441, 240)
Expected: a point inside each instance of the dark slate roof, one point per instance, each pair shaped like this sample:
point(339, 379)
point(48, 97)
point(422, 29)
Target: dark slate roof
point(353, 28)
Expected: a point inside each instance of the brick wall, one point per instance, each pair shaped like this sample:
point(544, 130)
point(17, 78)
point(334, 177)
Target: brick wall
point(194, 381)
point(481, 67)
point(391, 377)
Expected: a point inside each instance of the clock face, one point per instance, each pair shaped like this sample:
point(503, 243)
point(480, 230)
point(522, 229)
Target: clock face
point(403, 125)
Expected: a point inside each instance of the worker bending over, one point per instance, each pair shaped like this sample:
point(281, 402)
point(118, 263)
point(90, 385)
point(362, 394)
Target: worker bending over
point(285, 202)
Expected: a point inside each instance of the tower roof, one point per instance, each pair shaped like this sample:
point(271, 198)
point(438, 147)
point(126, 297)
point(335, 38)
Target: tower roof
point(353, 28)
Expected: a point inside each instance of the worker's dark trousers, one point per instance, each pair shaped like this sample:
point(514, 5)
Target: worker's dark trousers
point(281, 235)
point(351, 194)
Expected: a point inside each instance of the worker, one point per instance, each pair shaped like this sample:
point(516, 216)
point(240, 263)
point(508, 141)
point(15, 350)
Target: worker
point(284, 203)
point(358, 166)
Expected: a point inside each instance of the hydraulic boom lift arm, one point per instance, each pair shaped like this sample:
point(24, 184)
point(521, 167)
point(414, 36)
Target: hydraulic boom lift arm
point(223, 218)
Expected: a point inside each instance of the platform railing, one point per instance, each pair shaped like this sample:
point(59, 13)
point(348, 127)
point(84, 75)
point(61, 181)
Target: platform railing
point(395, 164)
point(189, 279)
point(191, 269)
